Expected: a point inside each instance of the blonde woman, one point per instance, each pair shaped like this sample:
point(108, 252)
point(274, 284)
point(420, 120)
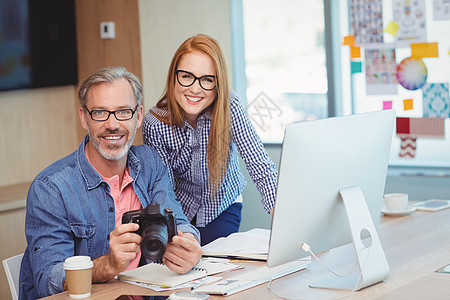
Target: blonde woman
point(198, 127)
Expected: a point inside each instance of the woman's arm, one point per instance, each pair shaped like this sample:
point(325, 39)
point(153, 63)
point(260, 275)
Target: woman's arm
point(261, 168)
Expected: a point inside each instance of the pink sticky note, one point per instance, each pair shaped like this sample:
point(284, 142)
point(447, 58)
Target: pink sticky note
point(387, 104)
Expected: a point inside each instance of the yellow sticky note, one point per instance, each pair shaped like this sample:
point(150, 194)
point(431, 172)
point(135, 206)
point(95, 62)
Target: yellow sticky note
point(355, 52)
point(349, 40)
point(421, 50)
point(392, 28)
point(408, 104)
point(448, 51)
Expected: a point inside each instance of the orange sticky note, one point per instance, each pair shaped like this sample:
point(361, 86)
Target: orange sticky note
point(355, 52)
point(349, 40)
point(420, 50)
point(392, 28)
point(408, 104)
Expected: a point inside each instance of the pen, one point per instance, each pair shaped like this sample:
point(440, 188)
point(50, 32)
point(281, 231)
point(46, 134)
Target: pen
point(200, 283)
point(217, 259)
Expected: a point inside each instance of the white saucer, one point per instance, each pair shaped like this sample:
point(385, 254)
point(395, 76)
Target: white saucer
point(388, 213)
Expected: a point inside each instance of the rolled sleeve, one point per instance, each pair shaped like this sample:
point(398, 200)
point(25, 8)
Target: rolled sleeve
point(56, 279)
point(191, 229)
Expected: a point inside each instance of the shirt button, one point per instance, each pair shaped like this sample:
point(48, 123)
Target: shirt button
point(111, 209)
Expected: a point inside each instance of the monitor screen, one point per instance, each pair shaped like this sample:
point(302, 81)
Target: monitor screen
point(37, 44)
point(318, 159)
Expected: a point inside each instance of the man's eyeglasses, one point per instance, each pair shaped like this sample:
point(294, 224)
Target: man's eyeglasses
point(103, 115)
point(186, 79)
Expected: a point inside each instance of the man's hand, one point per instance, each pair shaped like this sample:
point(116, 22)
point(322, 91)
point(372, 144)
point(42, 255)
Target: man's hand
point(123, 247)
point(183, 253)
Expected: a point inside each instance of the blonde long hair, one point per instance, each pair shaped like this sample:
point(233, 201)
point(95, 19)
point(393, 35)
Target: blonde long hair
point(219, 134)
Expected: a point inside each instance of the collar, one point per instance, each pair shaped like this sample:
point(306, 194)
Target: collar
point(204, 116)
point(91, 177)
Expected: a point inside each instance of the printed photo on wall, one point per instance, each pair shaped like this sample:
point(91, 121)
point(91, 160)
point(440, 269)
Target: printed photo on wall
point(411, 19)
point(441, 10)
point(381, 69)
point(366, 20)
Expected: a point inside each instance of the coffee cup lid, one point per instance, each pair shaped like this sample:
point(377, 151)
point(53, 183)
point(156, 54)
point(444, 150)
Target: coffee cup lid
point(78, 262)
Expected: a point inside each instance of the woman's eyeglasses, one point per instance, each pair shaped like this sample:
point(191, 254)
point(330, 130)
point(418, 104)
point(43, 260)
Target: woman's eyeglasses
point(186, 79)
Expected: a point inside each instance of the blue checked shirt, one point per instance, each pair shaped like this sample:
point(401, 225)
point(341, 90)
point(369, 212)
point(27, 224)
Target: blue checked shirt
point(184, 152)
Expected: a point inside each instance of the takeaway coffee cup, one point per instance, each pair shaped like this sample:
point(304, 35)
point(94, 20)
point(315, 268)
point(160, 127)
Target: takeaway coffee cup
point(397, 202)
point(79, 276)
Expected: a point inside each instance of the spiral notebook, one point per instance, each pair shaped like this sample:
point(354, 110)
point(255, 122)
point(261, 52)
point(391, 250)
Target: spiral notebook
point(160, 274)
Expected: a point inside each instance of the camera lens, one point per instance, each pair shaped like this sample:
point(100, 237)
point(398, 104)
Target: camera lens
point(154, 241)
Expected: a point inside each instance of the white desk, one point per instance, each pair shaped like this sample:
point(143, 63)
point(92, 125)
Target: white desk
point(415, 246)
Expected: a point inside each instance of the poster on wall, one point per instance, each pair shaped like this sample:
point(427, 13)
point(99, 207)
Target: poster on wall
point(411, 19)
point(381, 70)
point(366, 20)
point(441, 10)
point(436, 100)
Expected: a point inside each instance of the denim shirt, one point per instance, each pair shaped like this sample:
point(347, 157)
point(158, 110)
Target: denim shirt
point(70, 212)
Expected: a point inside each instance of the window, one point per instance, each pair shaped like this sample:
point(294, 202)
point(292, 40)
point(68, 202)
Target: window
point(285, 64)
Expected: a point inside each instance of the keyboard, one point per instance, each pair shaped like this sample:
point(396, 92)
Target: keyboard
point(252, 278)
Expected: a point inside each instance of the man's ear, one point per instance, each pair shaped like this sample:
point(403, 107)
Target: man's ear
point(82, 118)
point(140, 115)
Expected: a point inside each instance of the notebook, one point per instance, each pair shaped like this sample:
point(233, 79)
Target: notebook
point(160, 274)
point(252, 245)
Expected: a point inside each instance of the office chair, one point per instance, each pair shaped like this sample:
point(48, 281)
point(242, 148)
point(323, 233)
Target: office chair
point(12, 270)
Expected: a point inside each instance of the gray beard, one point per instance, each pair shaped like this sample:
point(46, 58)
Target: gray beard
point(105, 153)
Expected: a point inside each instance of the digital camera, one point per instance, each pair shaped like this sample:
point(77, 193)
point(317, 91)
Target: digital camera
point(157, 226)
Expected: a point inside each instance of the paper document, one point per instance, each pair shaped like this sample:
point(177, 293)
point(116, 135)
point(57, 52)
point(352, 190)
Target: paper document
point(252, 244)
point(160, 288)
point(160, 274)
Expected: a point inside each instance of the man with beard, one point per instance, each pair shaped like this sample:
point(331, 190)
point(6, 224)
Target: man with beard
point(75, 206)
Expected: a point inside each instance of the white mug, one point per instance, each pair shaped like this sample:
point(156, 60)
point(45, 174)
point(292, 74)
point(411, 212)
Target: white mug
point(396, 202)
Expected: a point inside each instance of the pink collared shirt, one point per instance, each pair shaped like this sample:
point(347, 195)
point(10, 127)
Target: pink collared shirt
point(125, 199)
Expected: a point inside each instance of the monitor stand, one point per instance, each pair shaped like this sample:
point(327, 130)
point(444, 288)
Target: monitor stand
point(372, 264)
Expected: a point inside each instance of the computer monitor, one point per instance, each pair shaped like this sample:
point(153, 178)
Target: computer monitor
point(330, 188)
